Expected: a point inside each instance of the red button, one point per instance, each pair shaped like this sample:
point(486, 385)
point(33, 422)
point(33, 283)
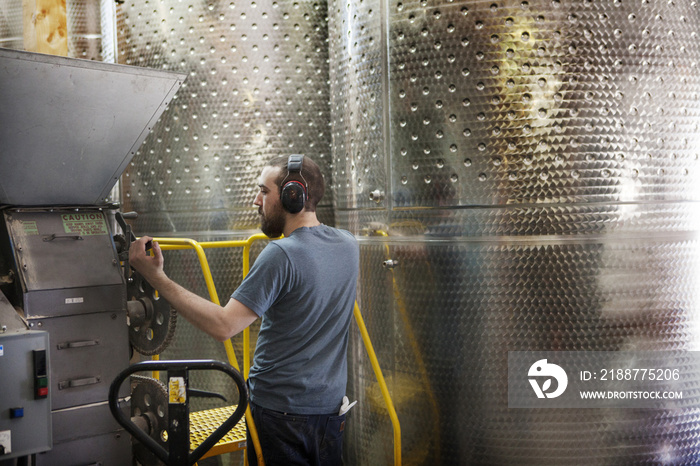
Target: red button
point(42, 392)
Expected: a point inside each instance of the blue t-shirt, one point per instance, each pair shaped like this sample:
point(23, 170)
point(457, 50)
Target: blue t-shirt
point(304, 288)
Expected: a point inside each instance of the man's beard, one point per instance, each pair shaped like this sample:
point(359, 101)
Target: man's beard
point(272, 225)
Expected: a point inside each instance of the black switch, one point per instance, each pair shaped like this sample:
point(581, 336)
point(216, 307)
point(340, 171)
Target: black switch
point(39, 363)
point(41, 379)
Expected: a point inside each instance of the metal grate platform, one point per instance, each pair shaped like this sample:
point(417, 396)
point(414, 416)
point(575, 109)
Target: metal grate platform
point(203, 423)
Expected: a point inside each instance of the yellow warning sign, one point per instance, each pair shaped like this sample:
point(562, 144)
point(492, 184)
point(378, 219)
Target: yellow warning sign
point(85, 224)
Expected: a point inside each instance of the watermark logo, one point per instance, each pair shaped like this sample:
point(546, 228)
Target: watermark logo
point(544, 371)
point(603, 379)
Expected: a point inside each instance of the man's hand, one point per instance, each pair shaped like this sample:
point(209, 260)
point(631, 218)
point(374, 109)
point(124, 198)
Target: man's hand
point(150, 267)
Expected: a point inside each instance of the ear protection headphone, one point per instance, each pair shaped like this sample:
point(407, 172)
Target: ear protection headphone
point(294, 193)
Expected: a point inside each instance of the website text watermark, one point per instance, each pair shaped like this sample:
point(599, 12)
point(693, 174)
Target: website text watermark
point(602, 379)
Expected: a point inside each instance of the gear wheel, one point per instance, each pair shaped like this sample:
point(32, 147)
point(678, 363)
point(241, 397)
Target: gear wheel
point(149, 404)
point(151, 319)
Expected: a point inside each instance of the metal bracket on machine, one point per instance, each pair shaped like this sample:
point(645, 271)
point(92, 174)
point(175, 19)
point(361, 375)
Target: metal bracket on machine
point(152, 320)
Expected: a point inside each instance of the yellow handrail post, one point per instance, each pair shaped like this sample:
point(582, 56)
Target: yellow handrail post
point(246, 332)
point(382, 384)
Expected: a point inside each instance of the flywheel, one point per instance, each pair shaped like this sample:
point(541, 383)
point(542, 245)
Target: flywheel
point(149, 410)
point(151, 319)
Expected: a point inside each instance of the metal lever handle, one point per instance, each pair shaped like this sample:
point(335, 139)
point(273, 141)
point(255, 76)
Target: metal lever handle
point(77, 344)
point(55, 236)
point(193, 392)
point(74, 383)
point(126, 228)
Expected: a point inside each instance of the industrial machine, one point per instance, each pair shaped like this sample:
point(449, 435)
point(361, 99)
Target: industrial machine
point(71, 310)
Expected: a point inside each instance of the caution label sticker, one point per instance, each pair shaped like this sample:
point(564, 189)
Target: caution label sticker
point(85, 224)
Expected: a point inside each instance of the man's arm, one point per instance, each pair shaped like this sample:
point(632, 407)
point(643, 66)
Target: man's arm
point(220, 322)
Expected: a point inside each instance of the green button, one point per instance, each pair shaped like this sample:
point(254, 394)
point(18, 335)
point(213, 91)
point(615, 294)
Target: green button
point(42, 382)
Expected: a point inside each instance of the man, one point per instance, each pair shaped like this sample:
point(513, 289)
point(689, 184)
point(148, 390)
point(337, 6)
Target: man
point(303, 286)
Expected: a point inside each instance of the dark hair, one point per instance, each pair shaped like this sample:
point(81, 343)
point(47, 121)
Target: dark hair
point(310, 175)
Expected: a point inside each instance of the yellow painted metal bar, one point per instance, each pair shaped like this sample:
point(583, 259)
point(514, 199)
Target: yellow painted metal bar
point(246, 343)
point(186, 243)
point(382, 383)
point(167, 243)
point(246, 268)
point(155, 374)
point(234, 243)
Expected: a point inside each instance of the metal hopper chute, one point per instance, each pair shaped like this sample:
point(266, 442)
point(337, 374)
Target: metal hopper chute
point(70, 127)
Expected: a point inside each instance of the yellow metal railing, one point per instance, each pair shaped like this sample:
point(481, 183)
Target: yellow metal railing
point(186, 243)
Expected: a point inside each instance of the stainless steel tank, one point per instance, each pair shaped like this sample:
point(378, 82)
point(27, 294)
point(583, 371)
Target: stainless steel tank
point(257, 87)
point(530, 167)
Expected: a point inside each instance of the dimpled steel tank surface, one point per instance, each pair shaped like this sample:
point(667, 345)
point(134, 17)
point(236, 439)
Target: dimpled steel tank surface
point(521, 175)
point(535, 167)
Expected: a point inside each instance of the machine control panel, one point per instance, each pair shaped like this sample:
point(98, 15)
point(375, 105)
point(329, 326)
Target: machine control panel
point(25, 409)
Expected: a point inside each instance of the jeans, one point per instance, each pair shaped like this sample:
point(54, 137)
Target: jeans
point(293, 439)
